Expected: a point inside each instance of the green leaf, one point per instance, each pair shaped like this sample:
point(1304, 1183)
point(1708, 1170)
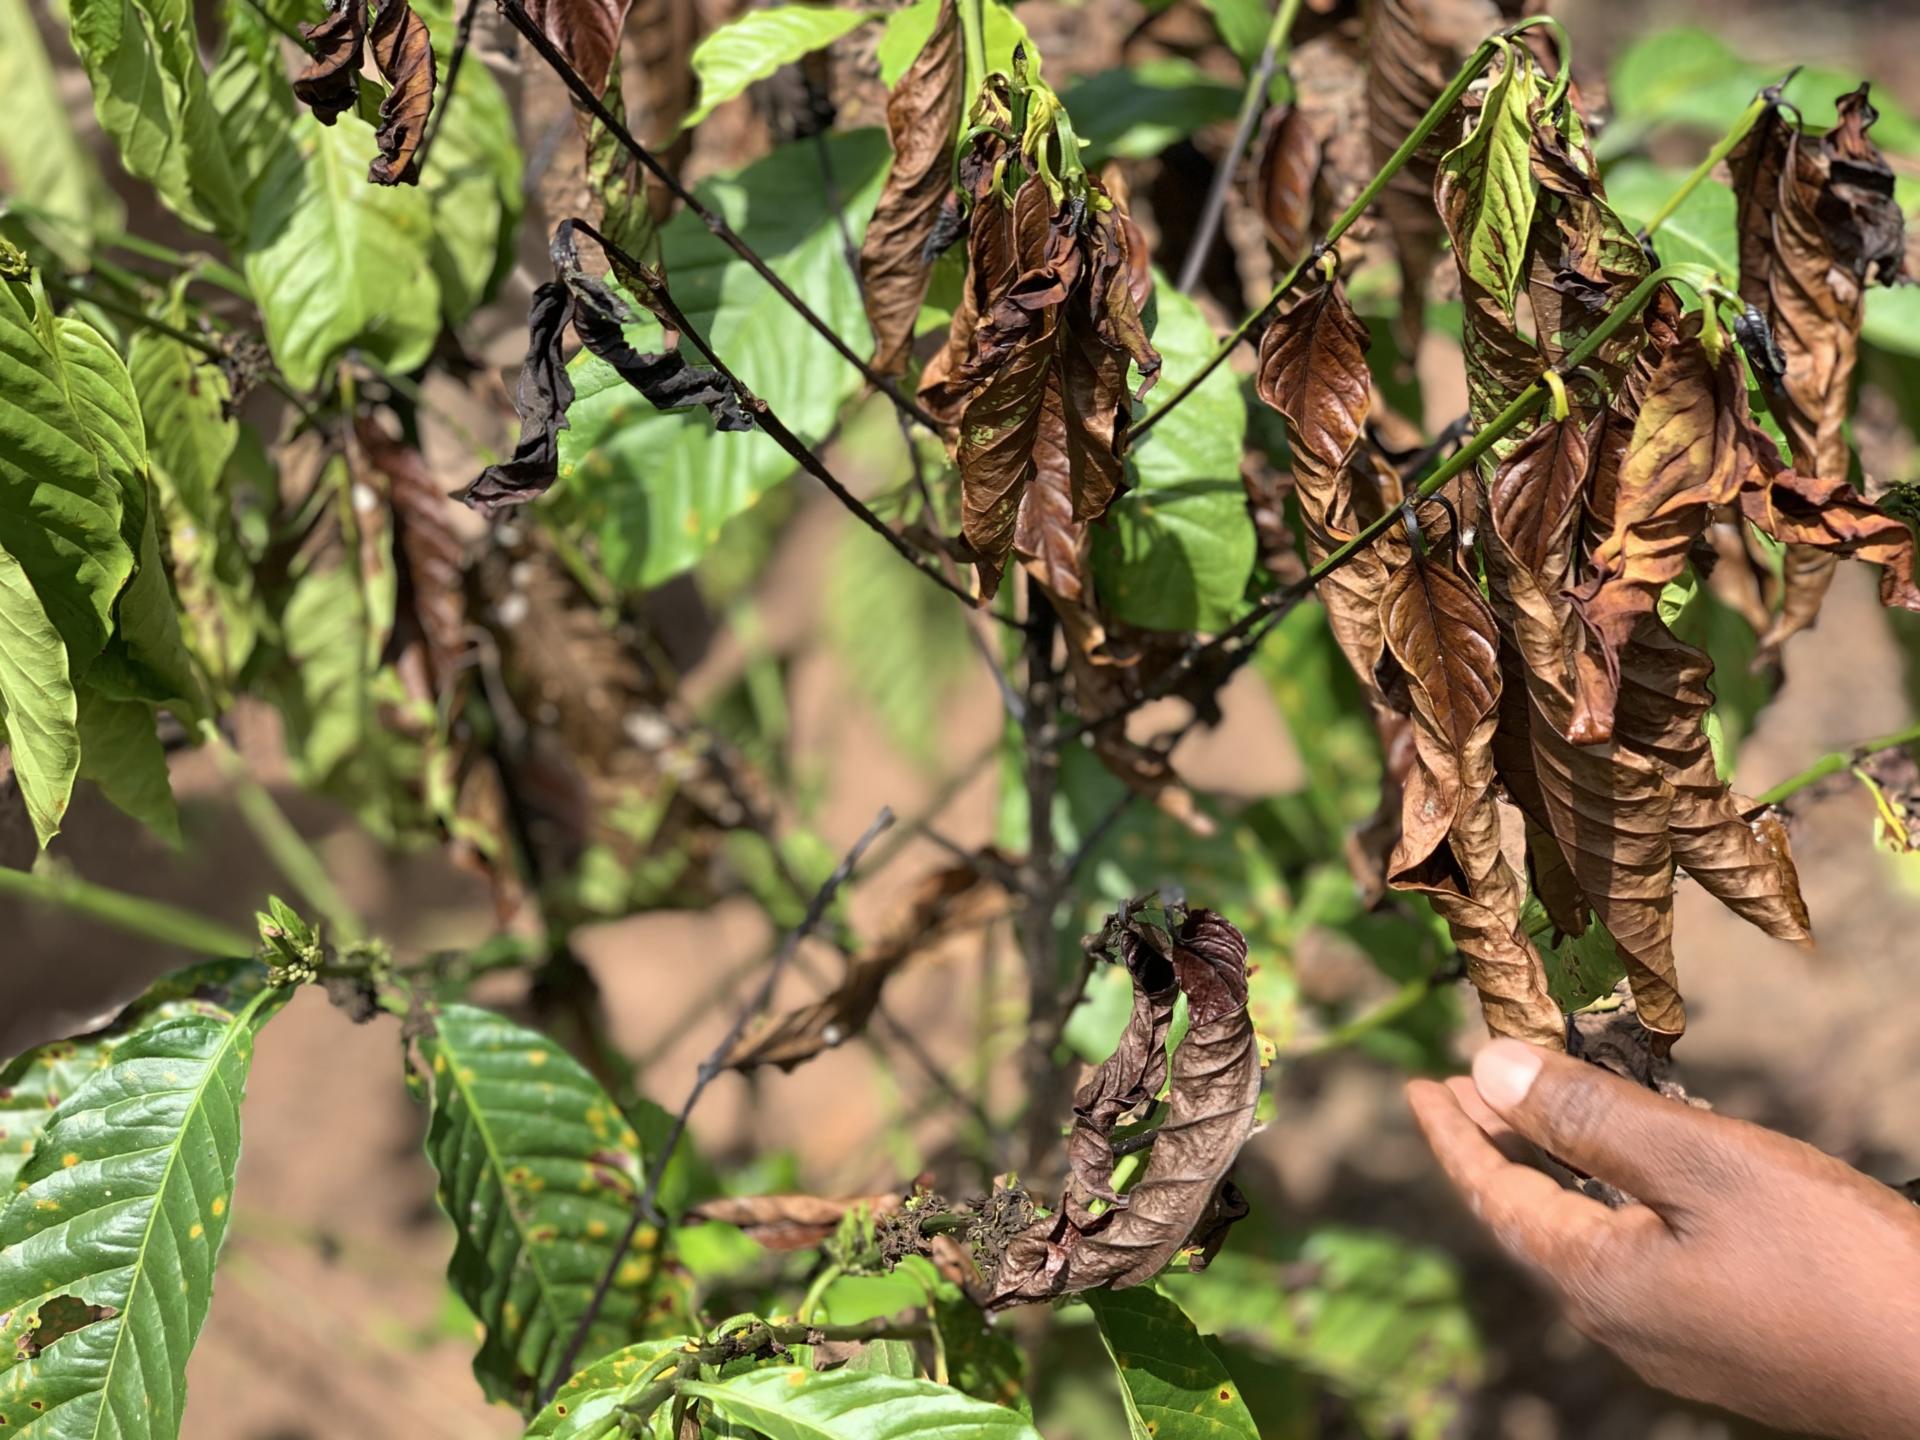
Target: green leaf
point(1893, 318)
point(1243, 24)
point(538, 1172)
point(757, 44)
point(147, 659)
point(903, 642)
point(1691, 77)
point(472, 182)
point(251, 94)
point(1490, 170)
point(124, 1205)
point(1580, 968)
point(72, 465)
point(908, 29)
point(1178, 547)
point(121, 753)
point(980, 1359)
point(1700, 232)
point(856, 1299)
point(33, 1085)
point(334, 261)
point(1171, 1378)
point(183, 399)
point(37, 704)
point(1134, 112)
point(788, 1403)
point(44, 159)
point(657, 487)
point(143, 57)
point(584, 1408)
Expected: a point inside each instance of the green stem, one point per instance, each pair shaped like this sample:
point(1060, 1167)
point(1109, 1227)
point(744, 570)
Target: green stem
point(211, 269)
point(149, 919)
point(973, 43)
point(1382, 1015)
point(285, 846)
point(1834, 763)
point(1719, 152)
point(1429, 122)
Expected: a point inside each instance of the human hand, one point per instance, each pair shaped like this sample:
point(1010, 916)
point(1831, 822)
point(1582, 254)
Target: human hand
point(1757, 1273)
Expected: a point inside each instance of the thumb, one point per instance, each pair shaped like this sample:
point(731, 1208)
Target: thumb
point(1662, 1152)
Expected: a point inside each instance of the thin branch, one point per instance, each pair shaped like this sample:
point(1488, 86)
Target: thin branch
point(1429, 122)
point(462, 38)
point(711, 1068)
point(152, 920)
point(1833, 764)
point(773, 426)
point(517, 16)
point(1253, 105)
point(1042, 888)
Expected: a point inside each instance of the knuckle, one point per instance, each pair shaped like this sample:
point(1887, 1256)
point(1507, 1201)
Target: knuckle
point(1580, 1119)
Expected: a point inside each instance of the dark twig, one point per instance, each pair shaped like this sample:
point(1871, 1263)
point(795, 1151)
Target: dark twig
point(1253, 105)
point(517, 16)
point(772, 425)
point(644, 1208)
point(462, 38)
point(1042, 887)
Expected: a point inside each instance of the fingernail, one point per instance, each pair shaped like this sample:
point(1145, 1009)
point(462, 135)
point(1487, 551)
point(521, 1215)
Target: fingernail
point(1504, 1072)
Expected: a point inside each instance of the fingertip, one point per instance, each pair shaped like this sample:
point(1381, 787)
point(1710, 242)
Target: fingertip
point(1504, 1072)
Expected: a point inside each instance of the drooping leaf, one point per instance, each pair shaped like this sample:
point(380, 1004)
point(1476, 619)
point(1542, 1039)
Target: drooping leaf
point(923, 112)
point(586, 33)
point(329, 83)
point(544, 395)
point(759, 43)
point(1314, 154)
point(1212, 1084)
point(1832, 517)
point(120, 753)
point(538, 1171)
point(333, 265)
point(37, 702)
point(785, 1403)
point(404, 52)
point(656, 488)
point(1818, 224)
point(42, 156)
point(1443, 637)
point(143, 58)
point(71, 468)
point(123, 1207)
point(583, 1408)
point(1175, 1384)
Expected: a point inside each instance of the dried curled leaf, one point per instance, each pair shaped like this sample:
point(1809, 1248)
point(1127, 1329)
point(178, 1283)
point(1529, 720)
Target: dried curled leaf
point(1818, 223)
point(598, 314)
point(790, 1222)
point(1212, 1083)
point(1830, 517)
point(1313, 156)
point(586, 32)
point(404, 52)
point(1445, 640)
point(955, 898)
point(329, 85)
point(896, 259)
point(429, 645)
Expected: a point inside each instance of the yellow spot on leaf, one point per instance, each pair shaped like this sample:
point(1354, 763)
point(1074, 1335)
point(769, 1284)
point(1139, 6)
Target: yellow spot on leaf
point(596, 1228)
point(536, 1057)
point(197, 1231)
point(69, 1160)
point(439, 1064)
point(219, 1206)
point(44, 1204)
point(798, 1377)
point(631, 1273)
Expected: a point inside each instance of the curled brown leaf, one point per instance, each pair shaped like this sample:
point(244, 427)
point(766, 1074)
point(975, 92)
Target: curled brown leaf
point(329, 84)
point(895, 263)
point(404, 52)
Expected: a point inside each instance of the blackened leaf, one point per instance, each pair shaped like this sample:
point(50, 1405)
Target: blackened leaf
point(545, 392)
point(404, 52)
point(1444, 639)
point(1129, 1077)
point(895, 258)
point(330, 83)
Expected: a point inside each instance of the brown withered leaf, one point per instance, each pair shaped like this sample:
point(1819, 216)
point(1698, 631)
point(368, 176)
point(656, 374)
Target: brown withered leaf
point(1817, 223)
point(1213, 1082)
point(944, 901)
point(789, 1222)
point(329, 84)
point(404, 53)
point(587, 32)
point(895, 258)
point(1446, 642)
point(1132, 1075)
point(1314, 154)
point(1691, 446)
point(1283, 181)
point(429, 645)
point(1831, 517)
